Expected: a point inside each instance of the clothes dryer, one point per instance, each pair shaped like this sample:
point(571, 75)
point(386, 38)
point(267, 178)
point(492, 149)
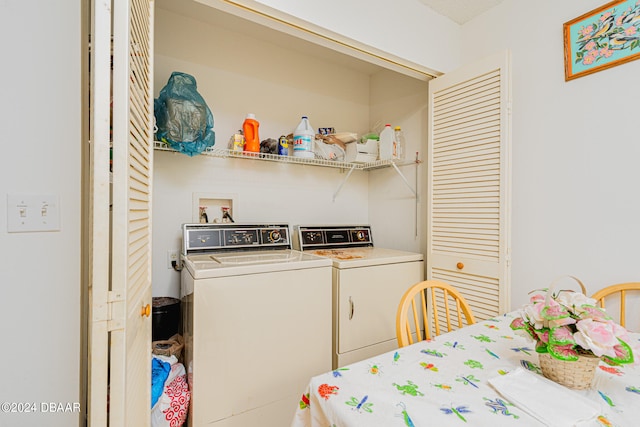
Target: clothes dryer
point(367, 284)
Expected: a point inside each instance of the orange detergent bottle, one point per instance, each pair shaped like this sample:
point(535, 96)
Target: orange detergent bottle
point(251, 137)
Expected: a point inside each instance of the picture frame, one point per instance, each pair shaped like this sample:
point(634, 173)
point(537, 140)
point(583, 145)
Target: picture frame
point(602, 38)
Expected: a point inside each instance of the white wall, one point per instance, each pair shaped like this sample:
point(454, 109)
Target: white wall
point(396, 214)
point(576, 149)
point(40, 274)
point(405, 28)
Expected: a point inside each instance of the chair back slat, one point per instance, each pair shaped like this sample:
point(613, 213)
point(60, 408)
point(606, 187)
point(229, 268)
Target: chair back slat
point(623, 300)
point(423, 306)
point(624, 291)
point(438, 301)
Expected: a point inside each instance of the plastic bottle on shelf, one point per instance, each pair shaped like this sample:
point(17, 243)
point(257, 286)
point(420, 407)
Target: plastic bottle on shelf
point(385, 149)
point(399, 144)
point(251, 137)
point(303, 138)
point(236, 142)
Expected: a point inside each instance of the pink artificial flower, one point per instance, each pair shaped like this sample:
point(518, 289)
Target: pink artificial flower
point(518, 323)
point(566, 350)
point(543, 336)
point(590, 46)
point(588, 60)
point(599, 337)
point(630, 31)
point(563, 334)
point(595, 313)
point(532, 314)
point(574, 300)
point(537, 298)
point(564, 321)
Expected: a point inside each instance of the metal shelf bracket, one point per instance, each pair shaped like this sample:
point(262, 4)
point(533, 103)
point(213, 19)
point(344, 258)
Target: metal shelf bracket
point(353, 167)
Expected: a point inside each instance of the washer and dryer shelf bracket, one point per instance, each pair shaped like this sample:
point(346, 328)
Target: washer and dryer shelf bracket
point(395, 167)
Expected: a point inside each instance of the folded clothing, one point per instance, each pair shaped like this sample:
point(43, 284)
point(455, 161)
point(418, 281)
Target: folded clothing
point(548, 402)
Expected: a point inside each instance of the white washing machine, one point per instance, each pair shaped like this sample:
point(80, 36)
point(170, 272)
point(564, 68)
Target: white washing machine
point(368, 283)
point(257, 323)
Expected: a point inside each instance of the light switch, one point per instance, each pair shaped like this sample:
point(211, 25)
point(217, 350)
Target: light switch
point(32, 212)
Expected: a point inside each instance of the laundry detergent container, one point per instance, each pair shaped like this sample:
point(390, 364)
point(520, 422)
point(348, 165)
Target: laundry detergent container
point(165, 318)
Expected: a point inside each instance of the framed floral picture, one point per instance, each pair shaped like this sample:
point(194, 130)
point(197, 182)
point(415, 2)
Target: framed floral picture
point(602, 38)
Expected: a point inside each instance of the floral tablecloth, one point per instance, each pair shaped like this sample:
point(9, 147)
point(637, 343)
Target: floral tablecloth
point(445, 382)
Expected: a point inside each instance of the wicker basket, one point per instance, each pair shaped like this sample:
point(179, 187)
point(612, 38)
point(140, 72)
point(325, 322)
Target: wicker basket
point(583, 289)
point(577, 375)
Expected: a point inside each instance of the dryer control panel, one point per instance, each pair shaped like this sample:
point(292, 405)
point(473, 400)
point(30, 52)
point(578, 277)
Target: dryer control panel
point(333, 237)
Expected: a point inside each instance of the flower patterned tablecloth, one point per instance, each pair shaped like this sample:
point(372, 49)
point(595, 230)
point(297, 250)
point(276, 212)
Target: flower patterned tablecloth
point(444, 382)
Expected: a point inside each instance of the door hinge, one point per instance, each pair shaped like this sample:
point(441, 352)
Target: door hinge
point(116, 303)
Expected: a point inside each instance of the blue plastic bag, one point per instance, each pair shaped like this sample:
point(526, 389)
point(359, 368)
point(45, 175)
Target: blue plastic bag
point(159, 374)
point(183, 118)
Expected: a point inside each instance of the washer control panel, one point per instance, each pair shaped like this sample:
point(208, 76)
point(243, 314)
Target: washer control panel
point(218, 237)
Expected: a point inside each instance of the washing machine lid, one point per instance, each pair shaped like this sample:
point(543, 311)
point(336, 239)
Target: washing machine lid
point(224, 264)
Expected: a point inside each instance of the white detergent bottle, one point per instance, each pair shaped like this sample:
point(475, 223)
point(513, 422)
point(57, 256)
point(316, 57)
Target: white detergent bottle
point(386, 143)
point(303, 138)
point(399, 145)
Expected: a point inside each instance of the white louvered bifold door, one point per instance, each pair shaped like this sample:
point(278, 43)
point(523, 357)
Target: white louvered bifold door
point(99, 217)
point(120, 289)
point(130, 401)
point(468, 183)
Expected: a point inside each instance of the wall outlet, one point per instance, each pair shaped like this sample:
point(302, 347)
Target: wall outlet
point(172, 256)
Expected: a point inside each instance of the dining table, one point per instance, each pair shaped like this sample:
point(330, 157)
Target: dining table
point(483, 374)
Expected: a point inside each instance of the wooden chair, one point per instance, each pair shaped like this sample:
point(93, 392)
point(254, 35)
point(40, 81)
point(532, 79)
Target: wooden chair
point(621, 289)
point(435, 299)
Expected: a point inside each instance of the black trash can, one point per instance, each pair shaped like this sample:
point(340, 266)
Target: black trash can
point(166, 318)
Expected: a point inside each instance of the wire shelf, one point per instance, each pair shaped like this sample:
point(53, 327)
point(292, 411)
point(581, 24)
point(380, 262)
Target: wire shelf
point(226, 153)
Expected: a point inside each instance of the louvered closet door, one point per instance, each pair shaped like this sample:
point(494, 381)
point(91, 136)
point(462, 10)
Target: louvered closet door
point(131, 245)
point(468, 183)
point(123, 310)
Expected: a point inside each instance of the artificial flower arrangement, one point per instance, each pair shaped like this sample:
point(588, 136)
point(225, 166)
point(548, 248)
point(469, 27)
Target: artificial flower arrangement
point(568, 324)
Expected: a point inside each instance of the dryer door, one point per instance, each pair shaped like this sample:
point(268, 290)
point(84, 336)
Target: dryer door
point(367, 300)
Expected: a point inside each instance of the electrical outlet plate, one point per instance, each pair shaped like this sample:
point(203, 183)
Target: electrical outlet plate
point(32, 212)
point(172, 255)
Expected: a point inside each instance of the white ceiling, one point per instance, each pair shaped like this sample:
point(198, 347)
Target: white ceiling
point(461, 11)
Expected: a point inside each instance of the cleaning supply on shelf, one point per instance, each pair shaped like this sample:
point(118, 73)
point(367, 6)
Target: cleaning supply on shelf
point(236, 142)
point(386, 143)
point(303, 138)
point(251, 136)
point(399, 145)
point(283, 146)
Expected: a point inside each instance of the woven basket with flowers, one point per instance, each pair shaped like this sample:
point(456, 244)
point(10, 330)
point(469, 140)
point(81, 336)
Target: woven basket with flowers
point(572, 336)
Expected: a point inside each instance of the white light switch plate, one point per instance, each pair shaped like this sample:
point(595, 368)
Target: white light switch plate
point(32, 212)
